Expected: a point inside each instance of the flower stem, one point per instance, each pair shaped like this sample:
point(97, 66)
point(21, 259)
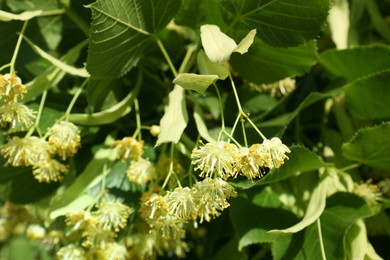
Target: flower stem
point(74, 99)
point(39, 115)
point(241, 111)
point(137, 119)
point(17, 47)
point(222, 115)
point(321, 240)
point(166, 56)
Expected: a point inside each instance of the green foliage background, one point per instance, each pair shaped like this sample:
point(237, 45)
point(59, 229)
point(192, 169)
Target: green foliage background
point(340, 105)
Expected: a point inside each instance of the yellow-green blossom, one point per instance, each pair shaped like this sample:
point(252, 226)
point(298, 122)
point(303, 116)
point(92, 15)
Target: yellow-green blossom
point(49, 170)
point(11, 87)
point(215, 159)
point(64, 138)
point(141, 171)
point(16, 115)
point(25, 151)
point(112, 215)
point(129, 147)
point(181, 204)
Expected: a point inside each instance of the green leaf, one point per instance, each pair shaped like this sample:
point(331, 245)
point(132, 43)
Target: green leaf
point(356, 62)
point(356, 241)
point(80, 203)
point(175, 119)
point(314, 209)
point(111, 114)
point(17, 185)
point(370, 146)
point(53, 75)
point(81, 72)
point(201, 126)
point(92, 173)
point(254, 212)
point(191, 81)
point(266, 64)
point(121, 31)
point(368, 98)
point(196, 13)
point(280, 23)
point(300, 160)
point(284, 120)
point(342, 210)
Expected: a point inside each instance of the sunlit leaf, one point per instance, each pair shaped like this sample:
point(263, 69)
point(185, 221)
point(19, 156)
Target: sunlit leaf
point(92, 173)
point(175, 119)
point(339, 23)
point(196, 82)
point(27, 15)
point(80, 203)
point(314, 209)
point(118, 40)
point(201, 126)
point(342, 210)
point(370, 146)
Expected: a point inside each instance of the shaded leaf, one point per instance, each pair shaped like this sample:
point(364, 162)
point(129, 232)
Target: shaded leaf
point(266, 64)
point(368, 98)
point(280, 23)
point(81, 72)
point(18, 185)
point(252, 219)
point(370, 146)
point(175, 119)
point(53, 75)
point(118, 40)
point(92, 173)
point(356, 62)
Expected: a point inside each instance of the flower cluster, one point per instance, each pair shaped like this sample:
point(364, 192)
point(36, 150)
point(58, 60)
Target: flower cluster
point(13, 113)
point(167, 215)
point(98, 230)
point(141, 170)
point(225, 160)
point(63, 141)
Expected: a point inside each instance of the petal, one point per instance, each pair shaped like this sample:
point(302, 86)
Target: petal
point(217, 45)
